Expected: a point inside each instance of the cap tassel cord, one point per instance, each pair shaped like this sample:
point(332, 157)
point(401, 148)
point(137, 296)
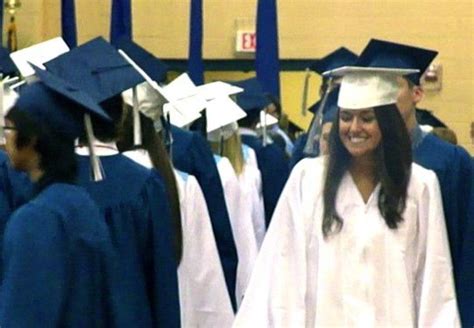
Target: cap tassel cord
point(315, 130)
point(264, 127)
point(137, 127)
point(2, 119)
point(304, 102)
point(97, 169)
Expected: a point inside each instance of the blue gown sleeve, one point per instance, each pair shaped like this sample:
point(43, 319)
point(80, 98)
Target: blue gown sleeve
point(163, 264)
point(297, 154)
point(34, 279)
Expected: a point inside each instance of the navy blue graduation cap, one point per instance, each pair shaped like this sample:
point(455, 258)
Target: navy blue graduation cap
point(101, 70)
point(58, 104)
point(379, 53)
point(154, 67)
point(330, 108)
point(7, 67)
point(253, 99)
point(338, 58)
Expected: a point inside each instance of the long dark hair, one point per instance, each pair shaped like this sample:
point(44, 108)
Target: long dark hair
point(153, 143)
point(56, 152)
point(393, 166)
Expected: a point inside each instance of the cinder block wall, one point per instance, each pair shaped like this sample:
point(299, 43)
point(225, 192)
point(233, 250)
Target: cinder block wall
point(308, 29)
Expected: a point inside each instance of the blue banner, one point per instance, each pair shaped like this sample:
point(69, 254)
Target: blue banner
point(68, 22)
point(267, 63)
point(195, 62)
point(121, 22)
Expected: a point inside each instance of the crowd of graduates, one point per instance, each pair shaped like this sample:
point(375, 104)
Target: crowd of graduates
point(127, 200)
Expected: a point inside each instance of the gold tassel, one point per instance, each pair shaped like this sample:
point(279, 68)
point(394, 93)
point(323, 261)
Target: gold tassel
point(11, 33)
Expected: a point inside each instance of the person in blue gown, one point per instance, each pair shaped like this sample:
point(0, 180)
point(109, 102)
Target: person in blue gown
point(131, 198)
point(452, 164)
point(271, 159)
point(60, 269)
point(192, 154)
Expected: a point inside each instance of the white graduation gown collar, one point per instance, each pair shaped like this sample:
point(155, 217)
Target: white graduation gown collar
point(101, 149)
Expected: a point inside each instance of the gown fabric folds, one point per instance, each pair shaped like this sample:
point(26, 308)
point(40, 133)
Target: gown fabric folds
point(367, 275)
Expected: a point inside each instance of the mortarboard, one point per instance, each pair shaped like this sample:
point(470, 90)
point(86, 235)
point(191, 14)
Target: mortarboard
point(253, 98)
point(330, 107)
point(154, 67)
point(338, 58)
point(150, 102)
point(101, 70)
point(387, 54)
point(222, 111)
point(368, 87)
point(58, 104)
point(37, 55)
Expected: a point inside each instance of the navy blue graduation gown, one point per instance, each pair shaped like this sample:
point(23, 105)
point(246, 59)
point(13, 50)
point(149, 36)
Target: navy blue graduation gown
point(298, 154)
point(58, 264)
point(133, 201)
point(273, 166)
point(15, 190)
point(191, 154)
point(453, 167)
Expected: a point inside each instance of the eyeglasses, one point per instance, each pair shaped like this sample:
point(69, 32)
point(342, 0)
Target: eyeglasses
point(4, 129)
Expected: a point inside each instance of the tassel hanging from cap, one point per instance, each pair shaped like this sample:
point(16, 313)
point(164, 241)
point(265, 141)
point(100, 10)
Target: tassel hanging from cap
point(97, 169)
point(304, 102)
point(137, 127)
point(2, 118)
point(12, 40)
point(314, 132)
point(264, 128)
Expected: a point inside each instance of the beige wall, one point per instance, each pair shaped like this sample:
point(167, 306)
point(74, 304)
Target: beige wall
point(308, 29)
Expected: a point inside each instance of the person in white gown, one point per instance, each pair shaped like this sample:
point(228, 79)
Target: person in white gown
point(240, 183)
point(203, 294)
point(358, 237)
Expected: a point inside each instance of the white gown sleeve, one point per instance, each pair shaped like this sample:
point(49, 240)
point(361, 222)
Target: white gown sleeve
point(276, 295)
point(435, 291)
point(203, 292)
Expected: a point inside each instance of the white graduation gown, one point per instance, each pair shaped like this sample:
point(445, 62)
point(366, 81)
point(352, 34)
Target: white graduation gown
point(250, 181)
point(204, 300)
point(367, 275)
point(241, 222)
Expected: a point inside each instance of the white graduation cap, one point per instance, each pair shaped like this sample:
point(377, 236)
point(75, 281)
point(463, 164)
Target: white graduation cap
point(183, 94)
point(266, 120)
point(178, 117)
point(38, 54)
point(367, 87)
point(222, 114)
point(215, 89)
point(150, 102)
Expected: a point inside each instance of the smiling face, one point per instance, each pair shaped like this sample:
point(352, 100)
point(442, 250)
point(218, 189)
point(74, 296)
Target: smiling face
point(359, 131)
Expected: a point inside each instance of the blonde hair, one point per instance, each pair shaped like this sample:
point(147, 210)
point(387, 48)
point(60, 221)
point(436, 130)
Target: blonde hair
point(232, 149)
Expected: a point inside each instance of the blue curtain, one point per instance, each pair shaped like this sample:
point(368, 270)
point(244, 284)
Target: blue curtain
point(121, 22)
point(68, 22)
point(267, 63)
point(195, 62)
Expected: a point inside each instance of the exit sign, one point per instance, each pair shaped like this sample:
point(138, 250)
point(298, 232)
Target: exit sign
point(246, 41)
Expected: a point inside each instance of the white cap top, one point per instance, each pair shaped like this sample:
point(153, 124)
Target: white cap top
point(150, 102)
point(266, 120)
point(179, 117)
point(222, 111)
point(368, 87)
point(38, 54)
point(218, 88)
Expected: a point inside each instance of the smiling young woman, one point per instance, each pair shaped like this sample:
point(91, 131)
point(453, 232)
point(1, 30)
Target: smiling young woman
point(358, 237)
